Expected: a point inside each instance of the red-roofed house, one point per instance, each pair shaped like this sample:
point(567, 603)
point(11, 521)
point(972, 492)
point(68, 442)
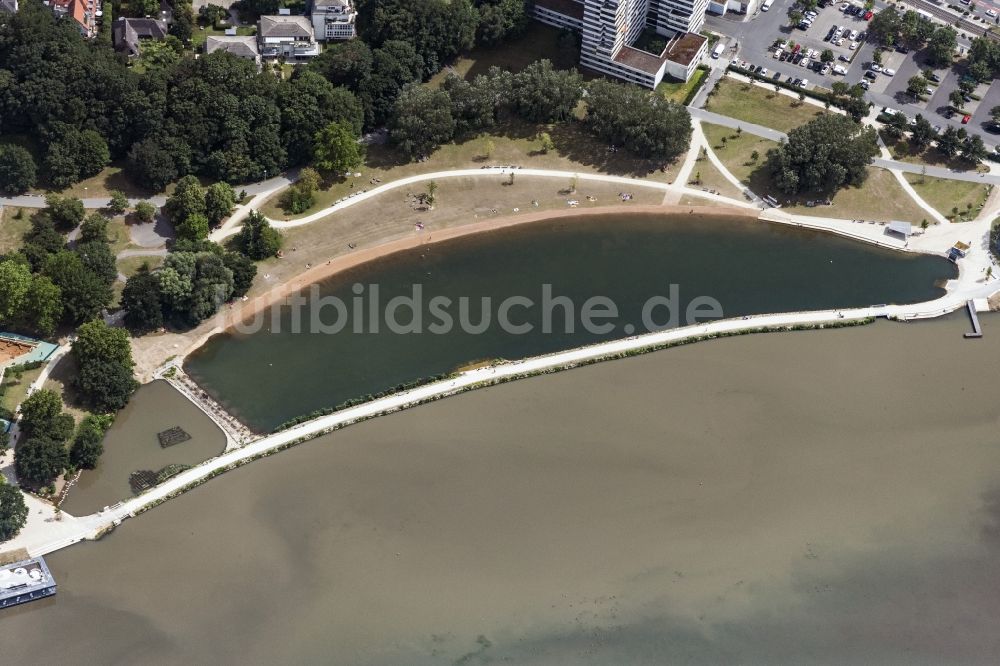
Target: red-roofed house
point(82, 12)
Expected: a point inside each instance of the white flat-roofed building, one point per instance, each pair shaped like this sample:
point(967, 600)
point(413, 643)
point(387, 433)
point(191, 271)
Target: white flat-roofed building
point(334, 20)
point(289, 37)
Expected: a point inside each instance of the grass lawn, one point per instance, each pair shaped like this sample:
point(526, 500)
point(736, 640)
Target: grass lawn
point(16, 389)
point(112, 178)
point(514, 143)
point(130, 265)
point(460, 201)
point(706, 176)
point(539, 42)
point(61, 381)
point(757, 105)
point(944, 195)
point(678, 91)
point(13, 229)
point(735, 154)
point(903, 151)
point(118, 234)
point(879, 198)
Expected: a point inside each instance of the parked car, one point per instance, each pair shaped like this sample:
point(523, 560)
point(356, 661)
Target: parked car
point(871, 75)
point(843, 58)
point(854, 35)
point(902, 49)
point(865, 84)
point(868, 15)
point(798, 47)
point(928, 90)
point(852, 46)
point(802, 25)
point(837, 69)
point(991, 13)
point(888, 71)
point(875, 67)
point(966, 118)
point(803, 83)
point(763, 71)
point(934, 77)
point(825, 70)
point(777, 76)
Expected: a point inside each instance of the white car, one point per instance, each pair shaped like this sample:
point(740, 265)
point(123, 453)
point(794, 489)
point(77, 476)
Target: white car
point(837, 69)
point(889, 72)
point(852, 45)
point(803, 83)
point(854, 35)
point(778, 52)
point(876, 67)
point(811, 14)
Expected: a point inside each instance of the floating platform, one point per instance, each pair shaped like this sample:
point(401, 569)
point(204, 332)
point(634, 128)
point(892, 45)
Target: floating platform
point(24, 581)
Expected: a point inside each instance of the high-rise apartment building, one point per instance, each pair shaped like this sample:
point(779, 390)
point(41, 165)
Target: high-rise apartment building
point(609, 28)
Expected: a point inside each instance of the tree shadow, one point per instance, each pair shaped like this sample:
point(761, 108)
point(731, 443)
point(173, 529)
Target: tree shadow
point(571, 141)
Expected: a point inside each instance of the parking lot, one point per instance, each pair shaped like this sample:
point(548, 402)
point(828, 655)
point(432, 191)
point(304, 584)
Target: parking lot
point(756, 38)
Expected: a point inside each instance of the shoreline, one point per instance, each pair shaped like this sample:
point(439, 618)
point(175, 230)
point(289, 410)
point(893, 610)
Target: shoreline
point(242, 311)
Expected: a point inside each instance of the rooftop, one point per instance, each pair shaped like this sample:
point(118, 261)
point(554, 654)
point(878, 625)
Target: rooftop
point(569, 8)
point(636, 59)
point(244, 47)
point(285, 26)
point(685, 48)
point(23, 577)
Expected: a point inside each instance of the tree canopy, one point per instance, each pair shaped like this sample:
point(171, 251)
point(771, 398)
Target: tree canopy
point(823, 155)
point(13, 511)
point(104, 358)
point(638, 119)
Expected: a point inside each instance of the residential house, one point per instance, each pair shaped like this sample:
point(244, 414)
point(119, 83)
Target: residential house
point(610, 28)
point(240, 46)
point(129, 33)
point(334, 20)
point(288, 37)
point(83, 13)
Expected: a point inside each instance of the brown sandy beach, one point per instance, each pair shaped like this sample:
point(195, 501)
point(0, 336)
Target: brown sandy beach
point(151, 356)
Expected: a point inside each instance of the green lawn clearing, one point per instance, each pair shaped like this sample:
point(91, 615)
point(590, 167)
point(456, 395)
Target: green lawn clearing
point(957, 200)
point(760, 106)
point(735, 150)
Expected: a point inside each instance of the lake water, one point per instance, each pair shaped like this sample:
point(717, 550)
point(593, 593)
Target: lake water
point(131, 445)
point(749, 267)
point(785, 498)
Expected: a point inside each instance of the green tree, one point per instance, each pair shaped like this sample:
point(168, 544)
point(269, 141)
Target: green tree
point(17, 170)
point(956, 99)
point(941, 46)
point(922, 132)
point(258, 239)
point(421, 120)
point(346, 63)
point(826, 56)
point(336, 149)
point(823, 155)
point(13, 512)
point(546, 143)
point(65, 212)
point(84, 293)
point(219, 202)
point(950, 141)
point(142, 302)
point(145, 211)
point(94, 228)
point(88, 442)
point(74, 154)
point(46, 306)
point(973, 149)
point(15, 283)
point(916, 86)
point(188, 199)
point(243, 270)
point(39, 460)
point(118, 203)
point(97, 258)
point(39, 410)
point(640, 120)
point(193, 227)
point(545, 94)
point(104, 358)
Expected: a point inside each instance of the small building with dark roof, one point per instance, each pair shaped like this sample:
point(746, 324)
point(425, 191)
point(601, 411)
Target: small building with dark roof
point(129, 33)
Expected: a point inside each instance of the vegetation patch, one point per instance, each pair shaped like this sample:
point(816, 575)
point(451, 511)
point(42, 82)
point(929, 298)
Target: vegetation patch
point(756, 105)
point(172, 436)
point(958, 200)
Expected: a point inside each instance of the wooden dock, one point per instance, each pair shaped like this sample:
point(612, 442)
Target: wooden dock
point(977, 331)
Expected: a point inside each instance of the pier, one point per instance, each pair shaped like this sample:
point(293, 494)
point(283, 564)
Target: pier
point(977, 331)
